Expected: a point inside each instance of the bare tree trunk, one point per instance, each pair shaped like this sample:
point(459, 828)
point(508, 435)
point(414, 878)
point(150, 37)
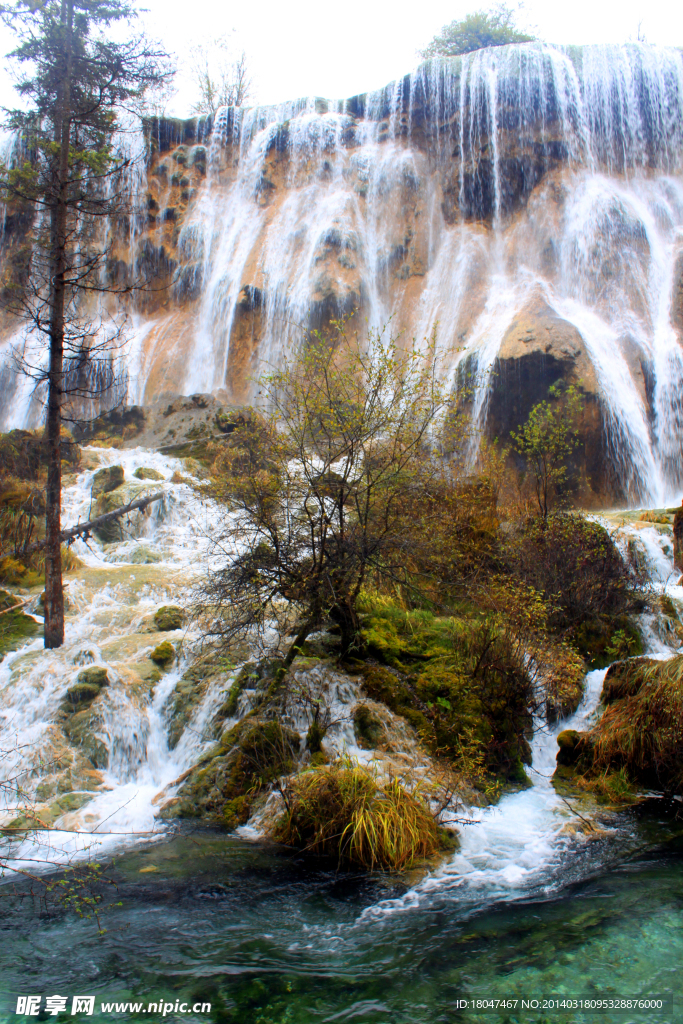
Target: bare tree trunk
point(54, 594)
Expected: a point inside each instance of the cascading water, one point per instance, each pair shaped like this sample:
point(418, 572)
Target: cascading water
point(517, 847)
point(458, 197)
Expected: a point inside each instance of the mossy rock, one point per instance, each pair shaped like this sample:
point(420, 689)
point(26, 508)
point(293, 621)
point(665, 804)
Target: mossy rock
point(147, 473)
point(367, 726)
point(575, 749)
point(112, 532)
point(16, 628)
point(81, 694)
point(168, 618)
point(81, 729)
point(222, 787)
point(163, 654)
point(315, 737)
point(189, 692)
point(68, 803)
point(88, 685)
point(107, 479)
point(95, 675)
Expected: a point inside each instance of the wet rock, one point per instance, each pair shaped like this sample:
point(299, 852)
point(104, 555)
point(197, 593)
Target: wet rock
point(87, 687)
point(147, 473)
point(144, 556)
point(94, 676)
point(168, 618)
point(107, 479)
point(112, 532)
point(190, 691)
point(81, 729)
point(224, 784)
point(568, 742)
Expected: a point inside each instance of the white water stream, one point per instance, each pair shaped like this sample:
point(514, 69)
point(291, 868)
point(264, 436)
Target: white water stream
point(517, 843)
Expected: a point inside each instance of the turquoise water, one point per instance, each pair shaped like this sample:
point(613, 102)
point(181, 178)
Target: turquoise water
point(268, 939)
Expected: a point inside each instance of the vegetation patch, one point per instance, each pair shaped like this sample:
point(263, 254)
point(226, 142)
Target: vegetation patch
point(639, 738)
point(16, 628)
point(346, 812)
point(460, 682)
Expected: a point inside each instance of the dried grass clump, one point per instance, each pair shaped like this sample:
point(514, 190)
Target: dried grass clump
point(642, 727)
point(343, 810)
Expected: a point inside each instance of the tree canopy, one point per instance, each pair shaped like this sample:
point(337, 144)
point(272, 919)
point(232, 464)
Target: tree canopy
point(481, 29)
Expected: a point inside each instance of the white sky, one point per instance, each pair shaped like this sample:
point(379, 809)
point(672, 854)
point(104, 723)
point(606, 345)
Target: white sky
point(306, 47)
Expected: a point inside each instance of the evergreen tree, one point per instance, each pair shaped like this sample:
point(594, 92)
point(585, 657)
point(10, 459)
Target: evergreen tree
point(76, 82)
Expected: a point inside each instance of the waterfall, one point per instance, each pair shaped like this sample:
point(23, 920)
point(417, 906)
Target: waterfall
point(463, 195)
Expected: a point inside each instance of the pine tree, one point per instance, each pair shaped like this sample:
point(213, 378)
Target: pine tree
point(77, 82)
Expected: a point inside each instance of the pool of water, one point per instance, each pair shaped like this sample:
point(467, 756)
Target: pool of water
point(265, 937)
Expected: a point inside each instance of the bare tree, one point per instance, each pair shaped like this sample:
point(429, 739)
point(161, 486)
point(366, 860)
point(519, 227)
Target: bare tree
point(221, 76)
point(320, 493)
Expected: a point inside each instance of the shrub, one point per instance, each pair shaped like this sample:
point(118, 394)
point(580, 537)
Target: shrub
point(345, 811)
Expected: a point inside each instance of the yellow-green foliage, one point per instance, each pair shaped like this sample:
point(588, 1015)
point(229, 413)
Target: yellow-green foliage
point(345, 811)
point(641, 729)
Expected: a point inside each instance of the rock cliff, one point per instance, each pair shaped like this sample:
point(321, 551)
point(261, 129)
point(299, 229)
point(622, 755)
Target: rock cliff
point(503, 199)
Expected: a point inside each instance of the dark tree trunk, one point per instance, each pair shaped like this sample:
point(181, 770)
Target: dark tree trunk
point(54, 594)
point(345, 616)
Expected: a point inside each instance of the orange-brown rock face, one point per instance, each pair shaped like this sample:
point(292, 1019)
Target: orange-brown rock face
point(498, 199)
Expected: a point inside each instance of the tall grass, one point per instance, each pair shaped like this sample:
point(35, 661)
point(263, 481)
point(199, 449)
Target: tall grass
point(641, 730)
point(344, 810)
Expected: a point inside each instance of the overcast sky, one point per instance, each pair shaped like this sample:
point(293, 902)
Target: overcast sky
point(305, 47)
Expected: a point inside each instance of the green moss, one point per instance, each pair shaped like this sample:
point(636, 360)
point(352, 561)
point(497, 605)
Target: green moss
point(314, 737)
point(168, 618)
point(458, 681)
point(163, 654)
point(81, 694)
point(604, 639)
point(81, 729)
point(94, 675)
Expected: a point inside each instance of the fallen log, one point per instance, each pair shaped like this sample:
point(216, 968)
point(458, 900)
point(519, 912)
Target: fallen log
point(85, 529)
